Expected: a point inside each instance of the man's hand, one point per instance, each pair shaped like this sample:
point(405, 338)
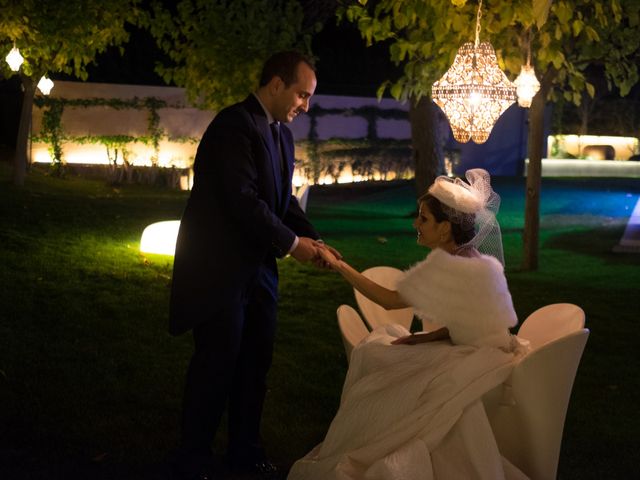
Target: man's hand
point(306, 250)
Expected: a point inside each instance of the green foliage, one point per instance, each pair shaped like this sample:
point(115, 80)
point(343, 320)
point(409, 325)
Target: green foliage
point(568, 37)
point(53, 132)
point(366, 157)
point(422, 35)
point(115, 103)
point(218, 46)
point(93, 382)
point(153, 126)
point(63, 35)
point(58, 36)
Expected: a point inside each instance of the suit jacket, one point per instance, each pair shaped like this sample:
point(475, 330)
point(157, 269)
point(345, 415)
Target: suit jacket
point(240, 215)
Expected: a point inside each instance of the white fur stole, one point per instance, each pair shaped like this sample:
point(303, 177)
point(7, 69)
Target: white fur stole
point(468, 295)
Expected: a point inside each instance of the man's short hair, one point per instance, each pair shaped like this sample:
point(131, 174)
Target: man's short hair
point(284, 65)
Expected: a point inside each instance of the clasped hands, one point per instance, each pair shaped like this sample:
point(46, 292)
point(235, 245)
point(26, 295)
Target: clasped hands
point(317, 252)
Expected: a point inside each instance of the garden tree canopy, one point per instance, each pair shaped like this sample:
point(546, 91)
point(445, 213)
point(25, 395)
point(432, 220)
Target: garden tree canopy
point(58, 36)
point(218, 46)
point(567, 37)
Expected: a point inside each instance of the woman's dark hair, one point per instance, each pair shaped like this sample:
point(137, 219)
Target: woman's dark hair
point(284, 65)
point(462, 232)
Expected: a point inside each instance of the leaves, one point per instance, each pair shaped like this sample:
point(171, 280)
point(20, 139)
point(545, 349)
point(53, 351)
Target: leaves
point(571, 35)
point(217, 47)
point(563, 12)
point(541, 11)
point(63, 35)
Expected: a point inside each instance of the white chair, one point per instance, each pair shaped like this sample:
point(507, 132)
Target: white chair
point(302, 194)
point(527, 412)
point(352, 328)
point(374, 314)
point(551, 322)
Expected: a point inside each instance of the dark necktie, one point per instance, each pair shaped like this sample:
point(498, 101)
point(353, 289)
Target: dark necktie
point(275, 131)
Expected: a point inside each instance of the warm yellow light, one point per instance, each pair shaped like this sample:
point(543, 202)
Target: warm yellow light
point(576, 146)
point(527, 85)
point(474, 99)
point(45, 85)
point(474, 92)
point(298, 179)
point(160, 238)
point(14, 59)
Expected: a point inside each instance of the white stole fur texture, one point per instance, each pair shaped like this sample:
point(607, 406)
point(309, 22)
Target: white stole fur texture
point(468, 295)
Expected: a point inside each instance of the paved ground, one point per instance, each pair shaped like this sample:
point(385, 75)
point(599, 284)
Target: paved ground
point(630, 241)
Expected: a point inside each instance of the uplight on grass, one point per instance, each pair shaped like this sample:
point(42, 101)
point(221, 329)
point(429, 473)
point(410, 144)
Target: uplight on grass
point(160, 238)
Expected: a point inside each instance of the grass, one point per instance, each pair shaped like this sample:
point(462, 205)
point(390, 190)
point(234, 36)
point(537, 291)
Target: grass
point(91, 382)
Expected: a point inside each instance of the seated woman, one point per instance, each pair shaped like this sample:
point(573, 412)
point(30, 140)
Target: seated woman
point(411, 404)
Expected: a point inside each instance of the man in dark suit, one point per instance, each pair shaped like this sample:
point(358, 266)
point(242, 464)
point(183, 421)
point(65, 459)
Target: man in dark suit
point(240, 217)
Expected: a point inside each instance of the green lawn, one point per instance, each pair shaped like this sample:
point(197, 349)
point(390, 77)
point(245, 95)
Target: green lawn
point(91, 382)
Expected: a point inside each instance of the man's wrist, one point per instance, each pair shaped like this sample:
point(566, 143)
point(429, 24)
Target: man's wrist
point(294, 245)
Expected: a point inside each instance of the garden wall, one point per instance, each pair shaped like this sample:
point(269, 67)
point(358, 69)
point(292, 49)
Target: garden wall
point(340, 139)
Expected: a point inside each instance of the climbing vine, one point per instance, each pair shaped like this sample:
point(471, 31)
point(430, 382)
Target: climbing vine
point(52, 132)
point(321, 157)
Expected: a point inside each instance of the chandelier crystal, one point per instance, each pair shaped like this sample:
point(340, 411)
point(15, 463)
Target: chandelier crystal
point(474, 92)
point(14, 59)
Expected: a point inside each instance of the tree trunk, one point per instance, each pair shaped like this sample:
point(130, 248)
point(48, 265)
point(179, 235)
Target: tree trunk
point(20, 159)
point(534, 176)
point(423, 141)
point(584, 116)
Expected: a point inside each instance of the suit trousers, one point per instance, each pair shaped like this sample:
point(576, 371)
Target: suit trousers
point(232, 356)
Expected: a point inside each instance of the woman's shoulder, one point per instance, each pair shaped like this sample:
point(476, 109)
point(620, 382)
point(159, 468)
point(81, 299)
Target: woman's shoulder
point(440, 260)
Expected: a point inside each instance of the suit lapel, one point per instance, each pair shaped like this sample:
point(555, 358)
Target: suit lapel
point(288, 152)
point(262, 125)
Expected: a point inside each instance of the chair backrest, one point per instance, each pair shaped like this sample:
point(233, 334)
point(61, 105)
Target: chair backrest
point(527, 412)
point(302, 194)
point(374, 314)
point(551, 322)
point(352, 328)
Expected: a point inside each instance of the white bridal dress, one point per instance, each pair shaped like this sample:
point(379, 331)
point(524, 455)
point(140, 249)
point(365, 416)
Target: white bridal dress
point(414, 412)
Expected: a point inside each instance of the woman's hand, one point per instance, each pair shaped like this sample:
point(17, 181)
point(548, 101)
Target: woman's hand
point(415, 338)
point(329, 256)
point(412, 339)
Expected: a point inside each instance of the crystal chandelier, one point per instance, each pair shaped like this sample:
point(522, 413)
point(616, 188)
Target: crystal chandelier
point(14, 59)
point(474, 92)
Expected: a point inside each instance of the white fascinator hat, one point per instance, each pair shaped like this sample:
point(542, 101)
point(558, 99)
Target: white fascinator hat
point(472, 202)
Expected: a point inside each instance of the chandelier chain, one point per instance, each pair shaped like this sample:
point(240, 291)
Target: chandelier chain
point(479, 16)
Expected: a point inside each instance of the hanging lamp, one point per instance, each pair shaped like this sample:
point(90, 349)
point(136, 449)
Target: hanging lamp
point(14, 59)
point(527, 84)
point(474, 92)
point(45, 85)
